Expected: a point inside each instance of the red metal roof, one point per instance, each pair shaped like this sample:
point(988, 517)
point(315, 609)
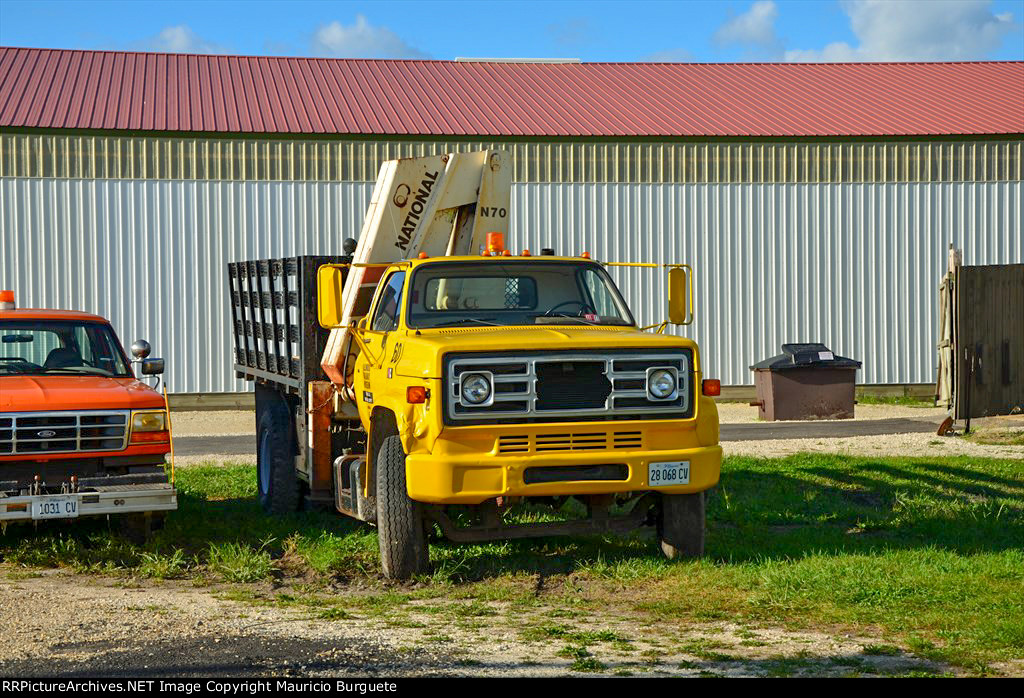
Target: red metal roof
point(44, 88)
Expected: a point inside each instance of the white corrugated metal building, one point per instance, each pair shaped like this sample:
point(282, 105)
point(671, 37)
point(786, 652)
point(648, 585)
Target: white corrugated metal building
point(128, 181)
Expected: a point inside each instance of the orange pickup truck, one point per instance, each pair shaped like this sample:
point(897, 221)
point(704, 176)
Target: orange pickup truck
point(80, 435)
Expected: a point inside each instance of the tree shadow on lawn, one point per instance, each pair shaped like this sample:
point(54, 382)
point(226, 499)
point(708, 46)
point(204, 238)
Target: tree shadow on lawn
point(763, 513)
point(758, 512)
point(193, 528)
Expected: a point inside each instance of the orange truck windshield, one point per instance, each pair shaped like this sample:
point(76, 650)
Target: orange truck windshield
point(51, 347)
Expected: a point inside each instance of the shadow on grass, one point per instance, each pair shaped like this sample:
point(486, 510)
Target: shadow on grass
point(803, 505)
point(763, 510)
point(198, 525)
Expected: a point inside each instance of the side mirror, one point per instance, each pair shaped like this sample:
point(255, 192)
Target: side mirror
point(330, 280)
point(151, 367)
point(140, 349)
point(680, 296)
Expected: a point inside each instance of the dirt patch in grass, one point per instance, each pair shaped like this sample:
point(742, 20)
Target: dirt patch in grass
point(917, 554)
point(998, 437)
point(141, 628)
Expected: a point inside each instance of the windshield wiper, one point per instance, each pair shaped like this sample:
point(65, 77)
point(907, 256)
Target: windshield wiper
point(482, 321)
point(79, 370)
point(577, 318)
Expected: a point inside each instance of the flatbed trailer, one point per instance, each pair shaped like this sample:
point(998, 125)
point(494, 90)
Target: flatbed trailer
point(277, 345)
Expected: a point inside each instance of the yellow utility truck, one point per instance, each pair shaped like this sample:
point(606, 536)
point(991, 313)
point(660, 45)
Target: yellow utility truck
point(427, 382)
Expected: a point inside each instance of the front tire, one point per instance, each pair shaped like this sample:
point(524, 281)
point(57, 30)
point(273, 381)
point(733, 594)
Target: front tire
point(681, 525)
point(279, 489)
point(403, 542)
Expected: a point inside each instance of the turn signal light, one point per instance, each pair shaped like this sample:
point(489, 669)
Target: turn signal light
point(7, 300)
point(415, 394)
point(711, 387)
point(150, 437)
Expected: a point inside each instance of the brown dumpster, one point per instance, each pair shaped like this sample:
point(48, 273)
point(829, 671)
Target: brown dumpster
point(805, 381)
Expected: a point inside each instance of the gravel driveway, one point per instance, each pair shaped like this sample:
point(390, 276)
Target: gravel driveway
point(86, 626)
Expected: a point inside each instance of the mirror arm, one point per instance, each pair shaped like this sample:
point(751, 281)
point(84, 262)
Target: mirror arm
point(357, 337)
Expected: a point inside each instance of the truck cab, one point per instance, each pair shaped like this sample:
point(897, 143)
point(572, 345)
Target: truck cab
point(492, 379)
point(519, 376)
point(80, 434)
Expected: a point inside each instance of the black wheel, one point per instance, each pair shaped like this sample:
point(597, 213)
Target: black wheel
point(403, 542)
point(681, 525)
point(279, 488)
point(139, 528)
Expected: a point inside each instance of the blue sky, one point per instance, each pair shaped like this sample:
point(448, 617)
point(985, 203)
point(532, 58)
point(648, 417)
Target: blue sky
point(697, 30)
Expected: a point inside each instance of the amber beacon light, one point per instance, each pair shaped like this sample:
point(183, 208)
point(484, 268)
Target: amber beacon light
point(495, 243)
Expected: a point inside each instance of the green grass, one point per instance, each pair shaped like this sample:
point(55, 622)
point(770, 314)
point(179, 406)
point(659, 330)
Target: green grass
point(924, 554)
point(901, 400)
point(157, 566)
point(239, 562)
point(582, 660)
point(997, 437)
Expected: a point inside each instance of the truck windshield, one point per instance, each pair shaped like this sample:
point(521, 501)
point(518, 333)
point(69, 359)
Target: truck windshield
point(45, 347)
point(514, 293)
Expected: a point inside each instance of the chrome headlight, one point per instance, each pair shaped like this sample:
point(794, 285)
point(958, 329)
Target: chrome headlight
point(149, 421)
point(661, 383)
point(476, 388)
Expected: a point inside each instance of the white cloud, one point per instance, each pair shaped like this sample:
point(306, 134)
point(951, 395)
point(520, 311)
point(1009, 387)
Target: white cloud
point(754, 30)
point(361, 40)
point(916, 30)
point(578, 31)
point(179, 39)
point(672, 55)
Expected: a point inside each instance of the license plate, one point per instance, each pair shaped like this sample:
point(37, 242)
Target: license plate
point(57, 507)
point(674, 473)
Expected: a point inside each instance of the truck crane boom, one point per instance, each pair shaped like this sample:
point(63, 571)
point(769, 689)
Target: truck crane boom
point(436, 205)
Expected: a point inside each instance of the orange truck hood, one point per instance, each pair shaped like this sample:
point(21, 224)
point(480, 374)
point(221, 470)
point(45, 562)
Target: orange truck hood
point(54, 393)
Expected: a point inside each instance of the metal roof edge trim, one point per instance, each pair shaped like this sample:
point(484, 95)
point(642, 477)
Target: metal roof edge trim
point(473, 138)
point(248, 56)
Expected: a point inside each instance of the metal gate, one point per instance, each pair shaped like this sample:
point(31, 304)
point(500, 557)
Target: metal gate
point(981, 339)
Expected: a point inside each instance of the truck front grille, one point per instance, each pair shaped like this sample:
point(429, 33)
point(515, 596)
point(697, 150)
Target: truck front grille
point(537, 387)
point(34, 433)
point(568, 385)
point(585, 441)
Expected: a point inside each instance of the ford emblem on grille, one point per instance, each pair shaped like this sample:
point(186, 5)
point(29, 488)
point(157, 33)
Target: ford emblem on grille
point(45, 434)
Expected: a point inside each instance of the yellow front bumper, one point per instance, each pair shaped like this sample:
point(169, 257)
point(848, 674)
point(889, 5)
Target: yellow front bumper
point(456, 473)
